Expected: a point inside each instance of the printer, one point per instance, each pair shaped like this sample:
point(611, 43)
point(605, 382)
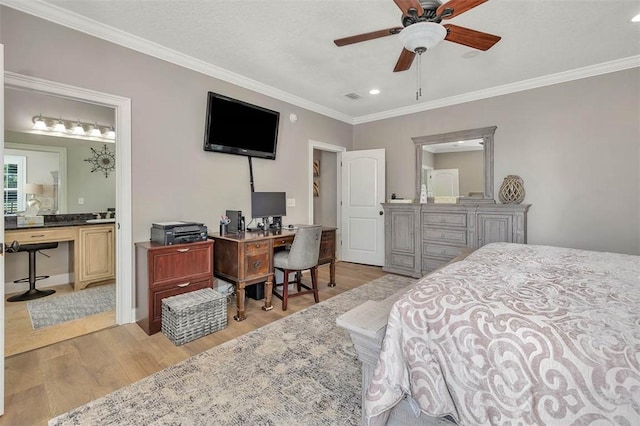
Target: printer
point(178, 232)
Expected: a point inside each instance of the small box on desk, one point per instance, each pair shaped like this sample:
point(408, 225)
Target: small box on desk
point(191, 315)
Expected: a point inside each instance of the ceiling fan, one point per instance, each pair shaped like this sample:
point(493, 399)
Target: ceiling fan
point(422, 29)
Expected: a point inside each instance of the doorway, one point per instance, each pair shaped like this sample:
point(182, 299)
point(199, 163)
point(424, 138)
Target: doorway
point(122, 109)
point(325, 189)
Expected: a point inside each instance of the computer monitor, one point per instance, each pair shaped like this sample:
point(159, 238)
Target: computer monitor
point(269, 204)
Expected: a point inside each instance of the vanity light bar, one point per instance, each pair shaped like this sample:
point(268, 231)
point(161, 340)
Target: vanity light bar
point(73, 127)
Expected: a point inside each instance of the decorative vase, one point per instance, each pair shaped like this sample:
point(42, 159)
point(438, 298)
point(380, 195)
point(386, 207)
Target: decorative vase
point(512, 190)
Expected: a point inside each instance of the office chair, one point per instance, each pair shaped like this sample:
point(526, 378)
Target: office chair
point(32, 249)
point(302, 255)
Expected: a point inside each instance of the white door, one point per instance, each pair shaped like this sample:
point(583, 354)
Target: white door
point(445, 183)
point(2, 233)
point(363, 179)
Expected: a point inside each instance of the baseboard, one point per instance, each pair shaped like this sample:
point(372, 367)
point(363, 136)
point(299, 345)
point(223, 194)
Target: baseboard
point(52, 281)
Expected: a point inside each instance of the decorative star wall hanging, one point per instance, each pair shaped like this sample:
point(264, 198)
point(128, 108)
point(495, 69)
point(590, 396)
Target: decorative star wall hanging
point(102, 161)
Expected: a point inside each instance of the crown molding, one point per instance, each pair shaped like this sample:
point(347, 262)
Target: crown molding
point(94, 28)
point(97, 29)
point(548, 80)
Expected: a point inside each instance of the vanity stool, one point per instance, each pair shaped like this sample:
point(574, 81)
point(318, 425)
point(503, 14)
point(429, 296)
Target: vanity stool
point(32, 249)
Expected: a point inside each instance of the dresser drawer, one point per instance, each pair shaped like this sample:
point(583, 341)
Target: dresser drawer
point(432, 263)
point(179, 263)
point(445, 219)
point(440, 250)
point(444, 235)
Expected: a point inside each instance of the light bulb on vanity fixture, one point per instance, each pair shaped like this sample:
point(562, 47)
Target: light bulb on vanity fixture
point(59, 126)
point(73, 128)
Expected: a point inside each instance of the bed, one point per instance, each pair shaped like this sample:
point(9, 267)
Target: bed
point(515, 334)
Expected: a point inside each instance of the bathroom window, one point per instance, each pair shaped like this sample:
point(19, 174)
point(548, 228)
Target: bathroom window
point(14, 179)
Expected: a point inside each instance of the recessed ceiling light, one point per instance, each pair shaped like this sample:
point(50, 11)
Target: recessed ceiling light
point(636, 18)
point(374, 91)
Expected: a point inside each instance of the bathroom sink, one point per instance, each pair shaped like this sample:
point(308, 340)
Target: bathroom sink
point(107, 220)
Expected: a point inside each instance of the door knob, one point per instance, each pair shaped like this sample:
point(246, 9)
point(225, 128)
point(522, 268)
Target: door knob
point(380, 212)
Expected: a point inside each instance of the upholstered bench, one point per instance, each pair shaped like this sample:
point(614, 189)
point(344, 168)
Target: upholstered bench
point(367, 324)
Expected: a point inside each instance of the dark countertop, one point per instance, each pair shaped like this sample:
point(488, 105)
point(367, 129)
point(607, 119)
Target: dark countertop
point(53, 221)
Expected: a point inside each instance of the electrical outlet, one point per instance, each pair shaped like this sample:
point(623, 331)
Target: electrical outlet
point(291, 202)
point(80, 200)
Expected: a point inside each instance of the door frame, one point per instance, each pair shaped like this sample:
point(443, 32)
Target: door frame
point(321, 146)
point(125, 311)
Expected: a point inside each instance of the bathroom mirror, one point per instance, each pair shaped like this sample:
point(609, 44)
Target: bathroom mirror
point(466, 181)
point(72, 183)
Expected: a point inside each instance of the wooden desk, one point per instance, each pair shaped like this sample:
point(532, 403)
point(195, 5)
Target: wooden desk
point(247, 258)
point(93, 248)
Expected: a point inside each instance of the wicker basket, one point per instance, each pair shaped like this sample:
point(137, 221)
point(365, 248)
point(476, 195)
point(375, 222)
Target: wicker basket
point(189, 316)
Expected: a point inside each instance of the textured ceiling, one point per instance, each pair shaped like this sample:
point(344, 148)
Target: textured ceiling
point(286, 47)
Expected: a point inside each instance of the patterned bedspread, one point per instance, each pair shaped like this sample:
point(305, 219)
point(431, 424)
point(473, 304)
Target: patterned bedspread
point(517, 334)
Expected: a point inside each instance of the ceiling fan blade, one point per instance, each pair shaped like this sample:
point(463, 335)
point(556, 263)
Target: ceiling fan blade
point(468, 37)
point(405, 5)
point(404, 61)
point(367, 36)
point(458, 6)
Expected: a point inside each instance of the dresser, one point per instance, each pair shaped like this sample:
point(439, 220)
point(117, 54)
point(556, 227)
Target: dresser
point(424, 237)
point(164, 271)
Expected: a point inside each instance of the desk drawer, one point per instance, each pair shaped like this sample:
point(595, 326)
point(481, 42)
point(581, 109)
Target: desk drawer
point(25, 236)
point(327, 247)
point(257, 265)
point(253, 247)
point(282, 241)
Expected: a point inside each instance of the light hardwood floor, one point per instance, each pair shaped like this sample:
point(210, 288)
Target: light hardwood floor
point(21, 337)
point(43, 383)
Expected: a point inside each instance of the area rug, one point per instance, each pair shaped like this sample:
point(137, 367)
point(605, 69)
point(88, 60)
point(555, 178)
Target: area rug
point(66, 307)
point(300, 370)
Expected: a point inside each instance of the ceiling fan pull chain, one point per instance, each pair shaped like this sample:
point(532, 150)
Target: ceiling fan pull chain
point(419, 78)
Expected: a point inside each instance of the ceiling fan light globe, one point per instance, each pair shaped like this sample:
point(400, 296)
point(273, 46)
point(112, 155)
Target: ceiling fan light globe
point(422, 35)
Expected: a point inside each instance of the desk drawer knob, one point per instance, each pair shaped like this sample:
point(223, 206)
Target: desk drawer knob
point(184, 284)
point(257, 264)
point(183, 250)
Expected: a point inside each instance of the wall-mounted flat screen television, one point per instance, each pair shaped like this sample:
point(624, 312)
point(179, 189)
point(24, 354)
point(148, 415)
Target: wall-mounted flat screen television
point(236, 127)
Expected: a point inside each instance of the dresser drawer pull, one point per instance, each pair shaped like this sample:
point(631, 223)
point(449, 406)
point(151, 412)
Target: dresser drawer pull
point(183, 250)
point(37, 236)
point(257, 264)
point(257, 245)
point(184, 284)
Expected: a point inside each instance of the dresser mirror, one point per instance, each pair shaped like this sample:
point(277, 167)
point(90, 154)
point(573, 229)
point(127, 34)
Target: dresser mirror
point(455, 167)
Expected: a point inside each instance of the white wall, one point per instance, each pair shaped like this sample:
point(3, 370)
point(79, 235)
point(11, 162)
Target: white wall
point(576, 145)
